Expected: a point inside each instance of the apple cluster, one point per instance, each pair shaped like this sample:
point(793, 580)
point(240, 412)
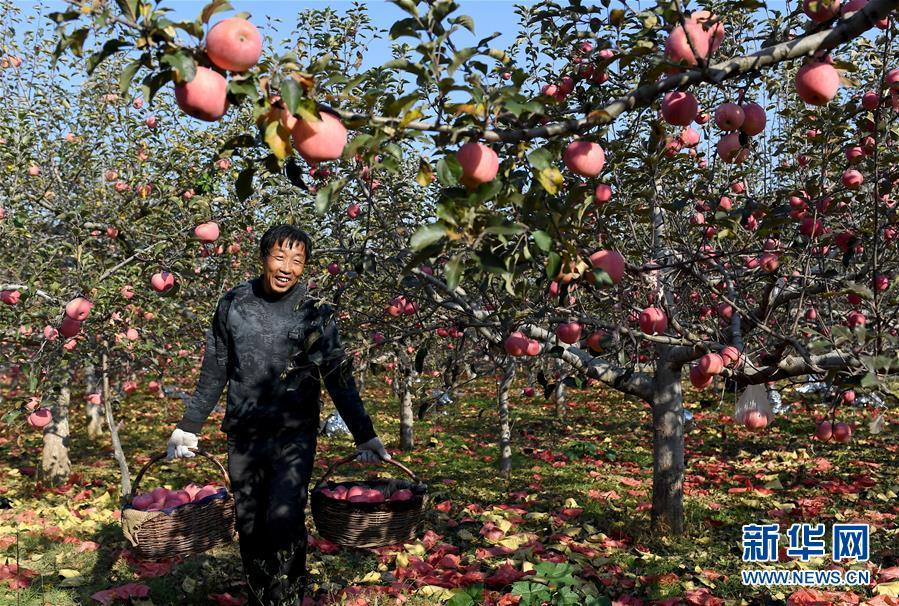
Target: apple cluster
point(363, 494)
point(160, 499)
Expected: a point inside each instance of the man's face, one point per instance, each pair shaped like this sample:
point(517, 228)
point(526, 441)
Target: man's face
point(282, 267)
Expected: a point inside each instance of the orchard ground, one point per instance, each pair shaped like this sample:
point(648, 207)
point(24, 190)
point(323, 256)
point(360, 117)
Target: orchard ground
point(581, 487)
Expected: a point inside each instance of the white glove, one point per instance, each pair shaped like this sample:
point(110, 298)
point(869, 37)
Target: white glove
point(372, 451)
point(180, 444)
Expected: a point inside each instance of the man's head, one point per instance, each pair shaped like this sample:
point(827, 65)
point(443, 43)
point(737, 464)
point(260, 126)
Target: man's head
point(284, 252)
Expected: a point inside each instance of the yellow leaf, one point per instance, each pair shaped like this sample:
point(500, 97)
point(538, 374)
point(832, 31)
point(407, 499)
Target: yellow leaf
point(890, 589)
point(411, 116)
point(402, 559)
point(277, 137)
point(571, 503)
point(435, 592)
point(68, 573)
point(415, 548)
point(371, 577)
point(550, 178)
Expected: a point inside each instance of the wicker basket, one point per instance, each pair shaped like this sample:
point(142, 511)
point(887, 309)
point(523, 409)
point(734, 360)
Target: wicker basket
point(367, 525)
point(186, 530)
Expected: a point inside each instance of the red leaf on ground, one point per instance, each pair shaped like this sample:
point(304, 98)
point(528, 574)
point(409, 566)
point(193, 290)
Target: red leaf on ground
point(889, 574)
point(815, 597)
point(226, 599)
point(323, 545)
point(505, 574)
point(123, 592)
point(701, 597)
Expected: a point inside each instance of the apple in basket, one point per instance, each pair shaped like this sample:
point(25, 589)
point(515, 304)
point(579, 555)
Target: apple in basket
point(403, 494)
point(369, 495)
point(176, 499)
point(142, 501)
point(340, 492)
point(206, 491)
point(192, 490)
point(355, 491)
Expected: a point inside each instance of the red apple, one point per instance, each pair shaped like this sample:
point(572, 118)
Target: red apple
point(817, 83)
point(78, 308)
point(162, 281)
point(679, 108)
point(842, 432)
point(204, 97)
point(610, 261)
point(234, 44)
point(207, 232)
point(711, 364)
point(569, 332)
point(729, 116)
point(584, 158)
point(479, 164)
point(824, 431)
point(40, 417)
point(320, 141)
point(653, 321)
point(755, 419)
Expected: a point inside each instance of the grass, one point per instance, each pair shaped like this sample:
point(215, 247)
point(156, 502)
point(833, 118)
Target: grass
point(598, 458)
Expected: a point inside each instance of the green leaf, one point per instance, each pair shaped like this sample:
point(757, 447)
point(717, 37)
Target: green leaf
point(408, 5)
point(453, 272)
point(448, 171)
point(153, 82)
point(543, 240)
point(238, 141)
point(553, 264)
point(127, 76)
point(427, 235)
point(243, 89)
point(244, 184)
point(540, 158)
point(491, 263)
point(64, 17)
point(129, 8)
point(404, 27)
point(320, 63)
point(216, 6)
point(603, 279)
point(501, 225)
point(184, 66)
point(465, 21)
point(461, 57)
point(291, 94)
point(325, 196)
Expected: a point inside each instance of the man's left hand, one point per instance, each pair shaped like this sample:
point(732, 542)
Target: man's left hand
point(372, 451)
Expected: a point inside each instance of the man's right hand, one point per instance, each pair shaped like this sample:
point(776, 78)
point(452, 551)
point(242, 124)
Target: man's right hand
point(180, 444)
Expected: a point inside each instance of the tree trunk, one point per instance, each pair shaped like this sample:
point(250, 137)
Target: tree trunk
point(407, 414)
point(94, 411)
point(55, 464)
point(113, 430)
point(668, 450)
point(559, 397)
point(361, 374)
point(505, 428)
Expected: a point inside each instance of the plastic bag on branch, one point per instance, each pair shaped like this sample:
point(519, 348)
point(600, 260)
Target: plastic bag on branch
point(333, 425)
point(752, 403)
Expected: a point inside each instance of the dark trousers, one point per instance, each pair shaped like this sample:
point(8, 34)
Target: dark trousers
point(270, 476)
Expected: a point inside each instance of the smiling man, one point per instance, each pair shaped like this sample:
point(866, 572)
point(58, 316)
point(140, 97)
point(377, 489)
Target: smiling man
point(273, 345)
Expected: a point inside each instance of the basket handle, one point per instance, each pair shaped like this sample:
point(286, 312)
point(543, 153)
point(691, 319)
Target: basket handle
point(352, 457)
point(163, 455)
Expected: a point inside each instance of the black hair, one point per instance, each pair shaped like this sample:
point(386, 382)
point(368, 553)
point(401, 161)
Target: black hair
point(285, 235)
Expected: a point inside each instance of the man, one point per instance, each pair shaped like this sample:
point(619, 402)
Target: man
point(272, 344)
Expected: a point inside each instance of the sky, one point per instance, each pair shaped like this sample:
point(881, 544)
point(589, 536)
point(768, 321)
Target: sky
point(489, 16)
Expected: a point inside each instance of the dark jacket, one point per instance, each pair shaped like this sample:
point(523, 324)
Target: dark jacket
point(273, 353)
